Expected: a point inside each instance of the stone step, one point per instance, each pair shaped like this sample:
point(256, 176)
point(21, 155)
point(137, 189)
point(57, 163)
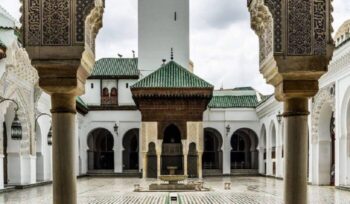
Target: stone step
point(244, 172)
point(212, 172)
point(107, 173)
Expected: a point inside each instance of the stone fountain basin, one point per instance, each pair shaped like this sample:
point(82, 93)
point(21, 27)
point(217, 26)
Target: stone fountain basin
point(173, 178)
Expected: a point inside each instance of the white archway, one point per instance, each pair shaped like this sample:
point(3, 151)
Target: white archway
point(323, 139)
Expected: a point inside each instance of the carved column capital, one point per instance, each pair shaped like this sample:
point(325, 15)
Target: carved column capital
point(59, 37)
point(295, 43)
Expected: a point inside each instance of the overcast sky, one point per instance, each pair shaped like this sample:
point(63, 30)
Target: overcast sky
point(223, 47)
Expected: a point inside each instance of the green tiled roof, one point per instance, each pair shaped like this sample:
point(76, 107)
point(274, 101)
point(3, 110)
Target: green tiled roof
point(249, 101)
point(172, 75)
point(81, 102)
point(115, 68)
point(248, 88)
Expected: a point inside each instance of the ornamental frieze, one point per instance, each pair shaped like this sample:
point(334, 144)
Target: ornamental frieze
point(295, 43)
point(299, 27)
point(55, 22)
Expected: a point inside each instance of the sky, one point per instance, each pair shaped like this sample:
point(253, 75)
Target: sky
point(224, 48)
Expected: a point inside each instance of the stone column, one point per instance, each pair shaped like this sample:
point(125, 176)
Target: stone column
point(199, 165)
point(185, 165)
point(261, 161)
point(158, 164)
point(144, 163)
point(296, 145)
point(63, 147)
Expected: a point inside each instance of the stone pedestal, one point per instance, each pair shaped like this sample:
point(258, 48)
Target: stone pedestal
point(199, 165)
point(186, 164)
point(21, 169)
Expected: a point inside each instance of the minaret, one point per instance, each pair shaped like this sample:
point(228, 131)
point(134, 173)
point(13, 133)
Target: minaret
point(163, 25)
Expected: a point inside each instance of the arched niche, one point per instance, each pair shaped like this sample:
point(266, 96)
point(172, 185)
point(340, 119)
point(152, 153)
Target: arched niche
point(326, 146)
point(172, 153)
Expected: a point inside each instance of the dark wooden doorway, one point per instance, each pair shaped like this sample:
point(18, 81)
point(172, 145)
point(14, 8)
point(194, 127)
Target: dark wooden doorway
point(100, 153)
point(131, 150)
point(212, 155)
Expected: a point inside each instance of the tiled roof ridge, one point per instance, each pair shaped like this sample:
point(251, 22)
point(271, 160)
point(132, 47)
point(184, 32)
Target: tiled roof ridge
point(164, 68)
point(191, 73)
point(115, 67)
point(231, 101)
point(103, 58)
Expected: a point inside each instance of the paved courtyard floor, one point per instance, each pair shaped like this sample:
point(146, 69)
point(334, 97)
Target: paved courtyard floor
point(245, 190)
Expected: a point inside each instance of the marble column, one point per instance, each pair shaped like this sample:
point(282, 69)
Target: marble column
point(296, 145)
point(199, 165)
point(63, 147)
point(144, 162)
point(185, 164)
point(158, 164)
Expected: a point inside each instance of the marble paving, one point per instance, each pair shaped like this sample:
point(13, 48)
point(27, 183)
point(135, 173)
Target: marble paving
point(245, 190)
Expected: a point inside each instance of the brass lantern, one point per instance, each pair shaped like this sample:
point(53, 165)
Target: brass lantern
point(49, 137)
point(16, 128)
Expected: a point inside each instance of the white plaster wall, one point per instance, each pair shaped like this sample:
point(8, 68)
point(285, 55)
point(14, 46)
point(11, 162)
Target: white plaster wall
point(159, 32)
point(92, 96)
point(109, 83)
point(43, 156)
point(342, 129)
point(124, 93)
point(268, 117)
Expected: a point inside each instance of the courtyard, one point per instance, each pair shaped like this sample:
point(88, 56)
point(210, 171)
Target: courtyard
point(245, 190)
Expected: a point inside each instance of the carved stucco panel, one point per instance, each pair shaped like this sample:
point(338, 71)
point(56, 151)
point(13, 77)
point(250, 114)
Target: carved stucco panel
point(149, 133)
point(322, 98)
point(56, 22)
point(195, 134)
point(299, 27)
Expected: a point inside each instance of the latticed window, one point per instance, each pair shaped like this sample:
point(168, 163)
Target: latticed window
point(109, 98)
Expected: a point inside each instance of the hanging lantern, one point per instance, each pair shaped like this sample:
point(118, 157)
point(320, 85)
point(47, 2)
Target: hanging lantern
point(49, 137)
point(16, 129)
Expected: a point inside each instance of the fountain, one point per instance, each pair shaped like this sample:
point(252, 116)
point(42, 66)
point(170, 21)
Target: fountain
point(173, 182)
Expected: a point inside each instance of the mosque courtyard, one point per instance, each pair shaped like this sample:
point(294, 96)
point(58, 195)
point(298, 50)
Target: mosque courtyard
point(244, 190)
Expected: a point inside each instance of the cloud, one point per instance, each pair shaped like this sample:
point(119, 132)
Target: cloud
point(12, 6)
point(224, 49)
point(213, 14)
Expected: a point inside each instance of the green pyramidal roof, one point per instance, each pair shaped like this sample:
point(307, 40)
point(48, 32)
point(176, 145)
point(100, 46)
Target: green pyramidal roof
point(172, 75)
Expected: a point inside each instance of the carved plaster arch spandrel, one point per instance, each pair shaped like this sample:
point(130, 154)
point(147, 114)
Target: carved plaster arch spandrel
point(323, 97)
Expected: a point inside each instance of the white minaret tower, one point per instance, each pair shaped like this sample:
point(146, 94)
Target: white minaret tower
point(163, 25)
